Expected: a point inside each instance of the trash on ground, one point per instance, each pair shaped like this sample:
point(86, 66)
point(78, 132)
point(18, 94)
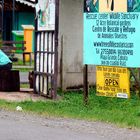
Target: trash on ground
point(18, 108)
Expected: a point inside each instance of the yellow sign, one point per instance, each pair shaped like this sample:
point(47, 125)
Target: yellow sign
point(112, 5)
point(112, 81)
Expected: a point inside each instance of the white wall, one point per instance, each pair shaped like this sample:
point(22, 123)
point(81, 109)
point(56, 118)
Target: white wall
point(71, 44)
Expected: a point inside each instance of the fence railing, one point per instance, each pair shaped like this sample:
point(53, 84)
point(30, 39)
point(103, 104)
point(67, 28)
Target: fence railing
point(15, 47)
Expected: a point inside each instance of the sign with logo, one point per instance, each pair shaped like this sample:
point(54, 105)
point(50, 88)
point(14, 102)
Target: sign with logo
point(111, 32)
point(112, 81)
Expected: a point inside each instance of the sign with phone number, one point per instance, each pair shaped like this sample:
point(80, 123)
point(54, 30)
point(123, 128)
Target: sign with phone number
point(112, 39)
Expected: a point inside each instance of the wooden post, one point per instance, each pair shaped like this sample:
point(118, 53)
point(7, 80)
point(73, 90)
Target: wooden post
point(56, 48)
point(85, 81)
point(13, 16)
point(2, 20)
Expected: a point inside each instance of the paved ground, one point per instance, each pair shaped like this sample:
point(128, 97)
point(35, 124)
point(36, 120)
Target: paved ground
point(20, 126)
point(24, 94)
point(24, 77)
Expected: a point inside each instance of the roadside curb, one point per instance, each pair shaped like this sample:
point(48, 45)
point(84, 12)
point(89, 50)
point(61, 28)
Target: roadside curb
point(26, 67)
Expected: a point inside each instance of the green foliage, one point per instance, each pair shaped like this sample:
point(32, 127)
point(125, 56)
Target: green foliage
point(24, 85)
point(122, 112)
point(23, 69)
point(20, 62)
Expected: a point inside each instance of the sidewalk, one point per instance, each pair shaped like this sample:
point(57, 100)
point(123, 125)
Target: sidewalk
point(24, 77)
point(23, 67)
point(23, 95)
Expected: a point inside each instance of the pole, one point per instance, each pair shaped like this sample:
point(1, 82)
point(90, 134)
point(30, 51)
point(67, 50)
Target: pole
point(35, 50)
point(2, 17)
point(85, 81)
point(56, 46)
point(13, 14)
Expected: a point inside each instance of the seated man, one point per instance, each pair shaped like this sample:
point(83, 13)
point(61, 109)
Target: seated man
point(5, 62)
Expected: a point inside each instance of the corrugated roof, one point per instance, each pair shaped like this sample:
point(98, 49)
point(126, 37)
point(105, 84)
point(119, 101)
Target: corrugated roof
point(20, 5)
point(26, 3)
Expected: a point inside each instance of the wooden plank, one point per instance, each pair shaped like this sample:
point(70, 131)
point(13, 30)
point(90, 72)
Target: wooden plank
point(12, 42)
point(85, 81)
point(9, 80)
point(12, 48)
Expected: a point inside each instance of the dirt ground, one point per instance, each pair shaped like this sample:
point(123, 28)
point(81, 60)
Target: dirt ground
point(24, 94)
